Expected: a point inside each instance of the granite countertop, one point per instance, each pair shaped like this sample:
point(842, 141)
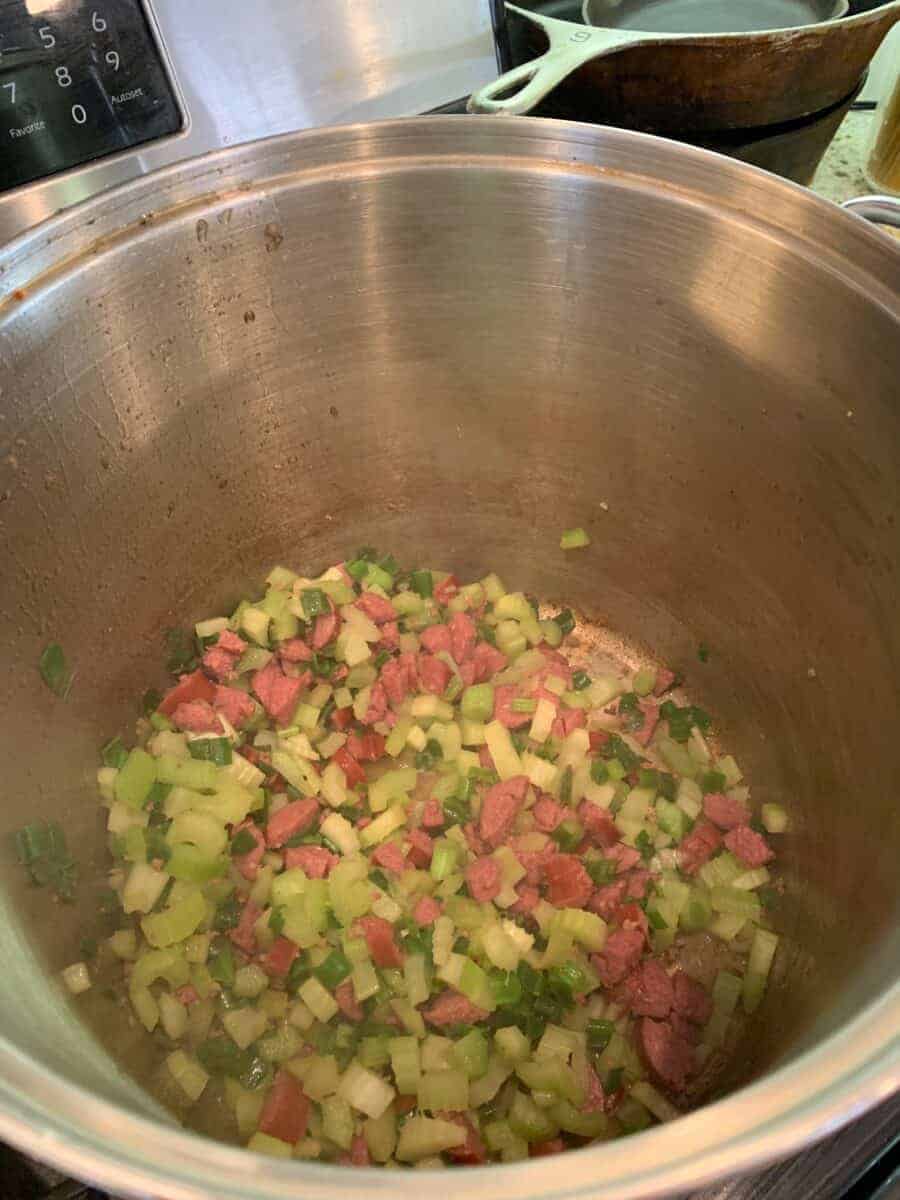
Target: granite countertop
point(840, 174)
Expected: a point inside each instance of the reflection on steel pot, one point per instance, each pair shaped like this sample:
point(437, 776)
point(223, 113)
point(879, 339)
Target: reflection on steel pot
point(461, 337)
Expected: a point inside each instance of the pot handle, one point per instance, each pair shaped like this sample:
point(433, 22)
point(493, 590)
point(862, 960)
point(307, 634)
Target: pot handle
point(571, 45)
point(880, 210)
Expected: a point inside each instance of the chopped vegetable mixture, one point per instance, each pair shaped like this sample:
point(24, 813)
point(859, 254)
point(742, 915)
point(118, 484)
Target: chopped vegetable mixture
point(407, 885)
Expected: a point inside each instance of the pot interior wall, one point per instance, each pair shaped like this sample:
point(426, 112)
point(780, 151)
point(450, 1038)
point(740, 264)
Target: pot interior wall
point(456, 362)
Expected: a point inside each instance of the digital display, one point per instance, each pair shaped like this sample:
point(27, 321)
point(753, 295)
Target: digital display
point(78, 80)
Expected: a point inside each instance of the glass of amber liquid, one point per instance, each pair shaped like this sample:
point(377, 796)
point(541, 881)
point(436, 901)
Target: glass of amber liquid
point(883, 164)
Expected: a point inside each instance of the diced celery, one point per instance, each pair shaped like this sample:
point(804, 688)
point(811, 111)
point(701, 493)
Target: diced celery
point(736, 903)
point(751, 880)
point(774, 818)
point(176, 923)
point(482, 1090)
point(762, 952)
point(444, 1091)
point(188, 1074)
point(671, 818)
point(364, 980)
point(317, 999)
point(574, 539)
point(383, 826)
point(721, 871)
point(392, 785)
point(337, 1121)
point(676, 758)
point(404, 1052)
point(470, 1054)
point(365, 1091)
point(506, 759)
point(250, 982)
point(77, 978)
point(512, 1045)
point(143, 888)
point(551, 1075)
point(263, 1143)
point(530, 1122)
point(339, 830)
point(423, 1137)
point(299, 773)
point(322, 1077)
point(381, 1135)
point(435, 1053)
point(244, 1026)
point(726, 992)
point(585, 927)
point(477, 702)
point(255, 623)
point(135, 778)
point(397, 737)
point(653, 1100)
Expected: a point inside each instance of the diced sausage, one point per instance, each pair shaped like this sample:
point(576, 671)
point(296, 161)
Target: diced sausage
point(390, 636)
point(749, 846)
point(346, 1001)
point(342, 718)
point(219, 663)
point(653, 993)
point(598, 824)
point(698, 847)
point(377, 701)
point(394, 682)
point(359, 1152)
point(366, 747)
point(421, 847)
point(534, 861)
point(295, 650)
point(277, 960)
point(691, 1000)
point(390, 856)
point(463, 636)
point(548, 813)
point(650, 709)
point(314, 861)
point(426, 911)
point(568, 883)
point(295, 818)
point(725, 811)
point(242, 935)
point(529, 899)
point(231, 643)
point(472, 1152)
point(487, 661)
point(434, 674)
point(436, 639)
point(353, 772)
point(197, 716)
point(236, 706)
point(450, 1008)
point(473, 839)
point(607, 899)
point(631, 917)
point(432, 814)
point(188, 995)
point(285, 1114)
point(625, 857)
point(500, 807)
point(503, 710)
point(619, 956)
point(636, 884)
point(596, 1099)
point(446, 589)
point(664, 680)
point(669, 1057)
point(189, 687)
point(376, 608)
point(545, 1149)
point(248, 864)
point(325, 629)
point(483, 879)
point(379, 935)
point(568, 720)
point(277, 692)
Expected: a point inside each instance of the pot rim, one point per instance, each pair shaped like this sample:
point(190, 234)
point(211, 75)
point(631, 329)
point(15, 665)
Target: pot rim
point(812, 1095)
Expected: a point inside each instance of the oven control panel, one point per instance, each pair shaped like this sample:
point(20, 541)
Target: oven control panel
point(79, 80)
